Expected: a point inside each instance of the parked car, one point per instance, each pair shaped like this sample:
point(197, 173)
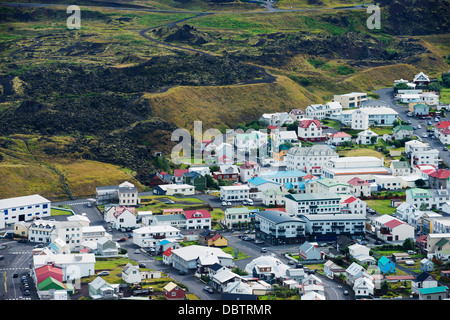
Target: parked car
point(263, 250)
point(181, 272)
point(208, 289)
point(27, 292)
point(137, 251)
point(141, 265)
point(121, 239)
point(2, 257)
point(224, 203)
point(291, 262)
point(228, 203)
point(445, 149)
point(346, 292)
point(259, 242)
point(424, 135)
point(103, 273)
point(419, 127)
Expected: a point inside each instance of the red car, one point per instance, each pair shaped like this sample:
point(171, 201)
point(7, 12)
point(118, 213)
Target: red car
point(121, 239)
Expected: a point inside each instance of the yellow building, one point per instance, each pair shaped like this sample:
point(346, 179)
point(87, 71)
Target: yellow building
point(21, 229)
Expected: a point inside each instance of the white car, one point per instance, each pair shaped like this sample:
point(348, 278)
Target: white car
point(424, 135)
point(224, 203)
point(419, 127)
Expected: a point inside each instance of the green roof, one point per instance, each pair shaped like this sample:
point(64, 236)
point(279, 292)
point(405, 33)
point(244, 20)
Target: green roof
point(238, 210)
point(400, 164)
point(331, 182)
point(402, 127)
point(418, 192)
point(50, 283)
point(441, 242)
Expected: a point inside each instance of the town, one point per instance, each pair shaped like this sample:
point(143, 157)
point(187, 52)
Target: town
point(349, 200)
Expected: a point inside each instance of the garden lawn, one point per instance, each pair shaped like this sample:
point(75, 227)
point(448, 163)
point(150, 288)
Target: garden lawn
point(381, 206)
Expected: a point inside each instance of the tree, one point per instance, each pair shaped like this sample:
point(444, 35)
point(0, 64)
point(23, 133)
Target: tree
point(408, 244)
point(420, 183)
point(385, 286)
point(400, 86)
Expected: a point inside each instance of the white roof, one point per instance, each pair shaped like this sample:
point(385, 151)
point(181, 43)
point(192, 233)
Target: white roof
point(278, 267)
point(379, 110)
point(152, 229)
point(288, 135)
point(175, 186)
point(225, 275)
point(63, 259)
point(235, 187)
point(22, 201)
point(195, 251)
point(354, 269)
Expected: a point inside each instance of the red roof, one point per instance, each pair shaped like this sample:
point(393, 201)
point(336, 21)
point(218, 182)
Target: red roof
point(168, 252)
point(197, 214)
point(357, 181)
point(440, 174)
point(276, 209)
point(180, 172)
point(46, 271)
point(404, 277)
point(350, 199)
point(307, 123)
point(442, 124)
point(340, 135)
point(422, 238)
point(272, 127)
point(216, 236)
point(393, 223)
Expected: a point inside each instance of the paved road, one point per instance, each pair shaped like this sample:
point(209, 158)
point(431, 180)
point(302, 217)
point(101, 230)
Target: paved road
point(387, 95)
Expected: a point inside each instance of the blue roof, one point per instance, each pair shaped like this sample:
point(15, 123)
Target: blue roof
point(258, 181)
point(290, 173)
point(383, 260)
point(441, 289)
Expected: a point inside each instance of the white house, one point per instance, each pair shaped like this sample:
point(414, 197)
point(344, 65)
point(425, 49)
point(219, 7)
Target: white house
point(353, 272)
point(123, 218)
point(391, 229)
point(429, 98)
point(351, 100)
point(237, 192)
point(131, 274)
point(388, 182)
point(339, 138)
point(73, 266)
point(248, 170)
point(361, 254)
point(173, 189)
point(367, 137)
point(363, 287)
point(310, 159)
point(310, 130)
point(190, 257)
point(297, 114)
point(149, 236)
point(25, 208)
point(316, 111)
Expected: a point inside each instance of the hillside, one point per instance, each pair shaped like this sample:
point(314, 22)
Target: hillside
point(90, 107)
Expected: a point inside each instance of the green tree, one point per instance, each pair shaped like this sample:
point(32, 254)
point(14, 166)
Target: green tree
point(420, 183)
point(408, 244)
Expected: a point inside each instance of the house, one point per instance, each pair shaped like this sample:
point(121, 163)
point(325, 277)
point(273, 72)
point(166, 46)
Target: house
point(310, 130)
point(439, 179)
point(131, 274)
point(332, 270)
point(149, 236)
point(363, 288)
point(339, 138)
point(198, 258)
point(353, 272)
point(333, 186)
point(277, 227)
point(73, 266)
point(107, 248)
point(353, 205)
point(236, 217)
point(360, 188)
point(437, 242)
point(429, 198)
point(223, 278)
point(311, 160)
point(157, 178)
point(385, 265)
point(174, 292)
point(178, 175)
point(99, 289)
point(267, 268)
point(421, 79)
point(41, 231)
point(420, 109)
point(262, 184)
point(273, 197)
point(363, 118)
point(426, 265)
point(224, 153)
point(367, 137)
point(277, 119)
point(195, 179)
point(212, 238)
point(45, 271)
point(174, 189)
point(202, 170)
point(297, 274)
point(237, 192)
point(297, 114)
point(227, 172)
point(435, 293)
point(423, 280)
point(405, 210)
point(421, 153)
point(123, 218)
point(391, 229)
point(387, 182)
point(361, 254)
point(310, 252)
point(400, 168)
point(333, 110)
point(402, 131)
point(246, 142)
point(26, 208)
point(46, 287)
point(248, 170)
point(125, 194)
point(315, 111)
point(173, 220)
point(110, 212)
point(351, 100)
point(197, 219)
point(429, 98)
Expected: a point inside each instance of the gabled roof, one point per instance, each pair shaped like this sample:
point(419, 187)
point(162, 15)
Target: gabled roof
point(393, 223)
point(357, 182)
point(197, 214)
point(180, 172)
point(307, 123)
point(340, 135)
point(440, 174)
point(383, 260)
